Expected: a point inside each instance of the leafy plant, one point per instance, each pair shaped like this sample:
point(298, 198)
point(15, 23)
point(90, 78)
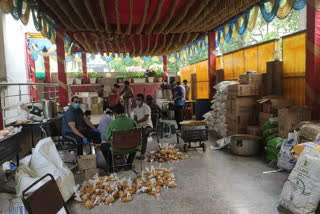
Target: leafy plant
point(94, 74)
point(77, 74)
point(138, 74)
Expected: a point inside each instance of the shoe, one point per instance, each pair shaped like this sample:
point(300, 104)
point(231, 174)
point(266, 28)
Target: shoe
point(141, 157)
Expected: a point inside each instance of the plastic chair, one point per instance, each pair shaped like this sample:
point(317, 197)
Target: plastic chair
point(124, 143)
point(46, 199)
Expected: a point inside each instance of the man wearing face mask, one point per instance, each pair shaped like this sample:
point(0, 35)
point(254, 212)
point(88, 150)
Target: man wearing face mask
point(77, 127)
point(142, 115)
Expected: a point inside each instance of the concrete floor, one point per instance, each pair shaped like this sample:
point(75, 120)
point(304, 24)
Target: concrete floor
point(213, 181)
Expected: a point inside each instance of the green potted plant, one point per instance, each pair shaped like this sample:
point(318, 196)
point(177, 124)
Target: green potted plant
point(159, 74)
point(137, 73)
point(93, 76)
point(78, 77)
point(150, 73)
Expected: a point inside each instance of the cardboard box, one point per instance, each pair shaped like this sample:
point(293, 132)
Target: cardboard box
point(275, 75)
point(233, 129)
point(243, 119)
point(242, 90)
point(100, 110)
point(272, 104)
point(289, 117)
point(243, 104)
point(95, 108)
point(254, 130)
point(219, 76)
point(251, 78)
point(263, 117)
point(87, 162)
point(89, 173)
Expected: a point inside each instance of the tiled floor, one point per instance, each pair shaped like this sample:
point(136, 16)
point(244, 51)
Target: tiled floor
point(207, 182)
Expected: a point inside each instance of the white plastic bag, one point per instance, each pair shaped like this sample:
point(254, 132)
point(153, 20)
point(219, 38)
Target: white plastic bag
point(45, 159)
point(285, 157)
point(301, 192)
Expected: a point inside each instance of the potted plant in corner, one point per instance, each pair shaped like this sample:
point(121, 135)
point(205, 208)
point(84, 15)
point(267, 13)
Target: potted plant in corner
point(78, 77)
point(93, 76)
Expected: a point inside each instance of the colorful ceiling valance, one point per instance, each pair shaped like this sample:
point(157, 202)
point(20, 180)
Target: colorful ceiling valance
point(137, 27)
point(246, 20)
point(193, 49)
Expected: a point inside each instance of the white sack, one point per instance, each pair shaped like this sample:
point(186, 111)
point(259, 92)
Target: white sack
point(301, 192)
point(45, 159)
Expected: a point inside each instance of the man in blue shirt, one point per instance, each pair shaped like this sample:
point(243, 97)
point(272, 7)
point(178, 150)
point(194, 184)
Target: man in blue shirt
point(178, 98)
point(104, 123)
point(77, 127)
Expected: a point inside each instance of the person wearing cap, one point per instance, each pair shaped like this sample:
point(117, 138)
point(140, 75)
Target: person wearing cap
point(104, 123)
point(127, 94)
point(155, 110)
point(178, 98)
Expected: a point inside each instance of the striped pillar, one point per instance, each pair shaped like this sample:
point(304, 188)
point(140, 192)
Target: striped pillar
point(165, 69)
point(62, 78)
point(84, 68)
point(212, 62)
point(47, 69)
point(32, 74)
point(313, 57)
point(47, 76)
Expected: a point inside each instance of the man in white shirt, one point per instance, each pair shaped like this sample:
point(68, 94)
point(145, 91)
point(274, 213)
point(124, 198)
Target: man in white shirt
point(142, 115)
point(104, 123)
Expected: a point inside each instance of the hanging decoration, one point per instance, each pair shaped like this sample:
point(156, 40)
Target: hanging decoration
point(246, 21)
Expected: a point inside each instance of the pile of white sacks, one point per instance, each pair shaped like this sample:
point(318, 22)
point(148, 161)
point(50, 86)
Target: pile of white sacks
point(216, 119)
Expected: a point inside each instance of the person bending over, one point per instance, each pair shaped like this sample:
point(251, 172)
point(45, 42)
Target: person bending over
point(155, 110)
point(104, 123)
point(77, 127)
point(142, 115)
point(121, 123)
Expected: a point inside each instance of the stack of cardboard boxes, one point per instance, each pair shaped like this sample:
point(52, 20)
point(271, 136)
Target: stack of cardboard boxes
point(241, 103)
point(88, 165)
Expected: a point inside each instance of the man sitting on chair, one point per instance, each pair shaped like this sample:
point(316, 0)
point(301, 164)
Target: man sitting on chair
point(142, 115)
point(121, 123)
point(77, 127)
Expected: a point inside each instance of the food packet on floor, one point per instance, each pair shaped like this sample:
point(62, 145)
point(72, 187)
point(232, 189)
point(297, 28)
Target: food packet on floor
point(301, 192)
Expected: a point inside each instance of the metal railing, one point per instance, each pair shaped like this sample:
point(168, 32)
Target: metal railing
point(50, 91)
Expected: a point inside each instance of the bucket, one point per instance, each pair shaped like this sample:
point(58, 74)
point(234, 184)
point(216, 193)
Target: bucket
point(202, 107)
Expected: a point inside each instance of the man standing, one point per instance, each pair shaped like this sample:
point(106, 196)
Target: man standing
point(178, 98)
point(121, 123)
point(77, 127)
point(114, 97)
point(187, 89)
point(127, 94)
point(142, 115)
point(155, 110)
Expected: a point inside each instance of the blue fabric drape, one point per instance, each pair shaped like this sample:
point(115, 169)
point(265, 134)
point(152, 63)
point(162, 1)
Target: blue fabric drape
point(16, 10)
point(268, 17)
point(299, 4)
point(244, 25)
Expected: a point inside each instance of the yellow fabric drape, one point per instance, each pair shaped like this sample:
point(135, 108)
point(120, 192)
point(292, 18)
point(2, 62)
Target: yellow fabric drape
point(253, 18)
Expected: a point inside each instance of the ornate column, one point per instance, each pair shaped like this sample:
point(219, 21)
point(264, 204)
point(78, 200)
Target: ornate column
point(84, 68)
point(62, 78)
point(313, 57)
point(212, 62)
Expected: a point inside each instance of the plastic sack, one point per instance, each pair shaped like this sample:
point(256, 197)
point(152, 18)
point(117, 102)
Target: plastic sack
point(301, 192)
point(270, 137)
point(271, 123)
point(223, 85)
point(222, 143)
point(273, 148)
point(298, 149)
point(286, 160)
point(44, 159)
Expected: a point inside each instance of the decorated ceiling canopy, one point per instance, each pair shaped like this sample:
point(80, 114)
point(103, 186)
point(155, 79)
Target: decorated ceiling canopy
point(139, 27)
